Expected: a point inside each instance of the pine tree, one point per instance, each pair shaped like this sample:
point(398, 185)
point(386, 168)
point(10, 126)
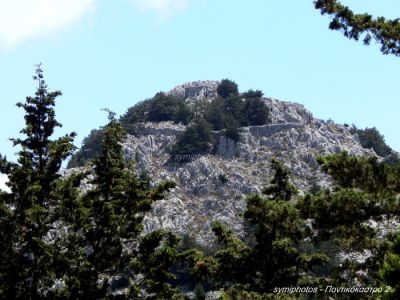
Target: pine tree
point(105, 227)
point(390, 270)
point(354, 26)
point(273, 258)
point(28, 260)
point(364, 192)
point(280, 187)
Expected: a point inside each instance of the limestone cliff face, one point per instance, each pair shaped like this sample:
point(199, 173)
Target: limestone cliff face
point(213, 187)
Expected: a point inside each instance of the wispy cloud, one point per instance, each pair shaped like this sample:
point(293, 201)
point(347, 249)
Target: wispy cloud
point(163, 8)
point(21, 20)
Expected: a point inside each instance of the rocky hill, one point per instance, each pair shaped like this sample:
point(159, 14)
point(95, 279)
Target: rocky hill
point(213, 186)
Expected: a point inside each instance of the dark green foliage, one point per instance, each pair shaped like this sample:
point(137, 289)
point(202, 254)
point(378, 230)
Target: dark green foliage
point(168, 108)
point(255, 112)
point(390, 270)
point(341, 214)
point(228, 112)
point(157, 254)
point(196, 139)
point(356, 26)
point(51, 231)
point(227, 88)
point(90, 149)
point(200, 292)
point(278, 254)
point(135, 114)
point(253, 94)
point(215, 114)
point(278, 229)
point(272, 260)
point(108, 218)
point(29, 264)
point(232, 130)
point(244, 110)
point(393, 160)
point(372, 138)
point(360, 172)
point(233, 257)
point(222, 178)
point(160, 108)
point(280, 187)
point(233, 110)
point(366, 192)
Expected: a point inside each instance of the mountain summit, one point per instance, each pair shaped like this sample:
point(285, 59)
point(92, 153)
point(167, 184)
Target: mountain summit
point(212, 186)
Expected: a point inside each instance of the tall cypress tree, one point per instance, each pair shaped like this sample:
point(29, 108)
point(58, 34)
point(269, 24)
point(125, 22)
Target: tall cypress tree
point(27, 259)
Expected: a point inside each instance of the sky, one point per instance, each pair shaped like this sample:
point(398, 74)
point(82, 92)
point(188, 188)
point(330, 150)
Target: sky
point(112, 54)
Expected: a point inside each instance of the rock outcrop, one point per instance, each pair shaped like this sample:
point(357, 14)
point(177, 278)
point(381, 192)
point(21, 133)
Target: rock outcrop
point(213, 187)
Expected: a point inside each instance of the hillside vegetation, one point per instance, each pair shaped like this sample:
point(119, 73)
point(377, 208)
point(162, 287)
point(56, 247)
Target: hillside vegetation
point(229, 111)
point(62, 242)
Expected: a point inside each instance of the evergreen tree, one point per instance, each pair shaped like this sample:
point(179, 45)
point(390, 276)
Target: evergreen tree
point(215, 114)
point(105, 224)
point(29, 261)
point(365, 173)
point(390, 270)
point(276, 259)
point(280, 187)
point(253, 94)
point(136, 113)
point(255, 112)
point(227, 88)
point(372, 138)
point(232, 129)
point(233, 109)
point(365, 26)
point(168, 108)
point(272, 259)
point(196, 139)
point(365, 192)
point(90, 149)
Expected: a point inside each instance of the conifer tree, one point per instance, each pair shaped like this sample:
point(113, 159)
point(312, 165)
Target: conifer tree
point(105, 226)
point(28, 260)
point(365, 192)
point(227, 88)
point(355, 26)
point(280, 187)
point(273, 258)
point(390, 270)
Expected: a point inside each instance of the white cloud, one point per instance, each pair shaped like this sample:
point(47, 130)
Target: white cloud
point(21, 20)
point(163, 8)
point(3, 180)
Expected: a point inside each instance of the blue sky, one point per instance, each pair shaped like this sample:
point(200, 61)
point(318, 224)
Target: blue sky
point(103, 53)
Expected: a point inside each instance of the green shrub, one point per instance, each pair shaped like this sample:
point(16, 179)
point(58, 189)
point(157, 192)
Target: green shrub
point(255, 112)
point(90, 149)
point(251, 94)
point(196, 139)
point(136, 113)
point(222, 178)
point(232, 130)
point(168, 108)
point(226, 88)
point(372, 138)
